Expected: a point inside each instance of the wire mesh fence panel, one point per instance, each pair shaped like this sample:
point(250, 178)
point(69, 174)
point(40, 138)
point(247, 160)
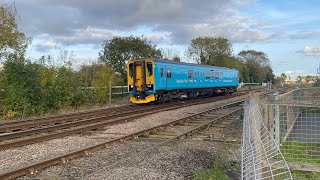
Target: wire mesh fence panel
point(261, 156)
point(299, 124)
point(293, 120)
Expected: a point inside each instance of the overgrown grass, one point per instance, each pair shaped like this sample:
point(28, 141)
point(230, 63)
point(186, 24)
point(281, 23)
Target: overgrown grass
point(215, 173)
point(304, 175)
point(309, 110)
point(301, 152)
point(70, 109)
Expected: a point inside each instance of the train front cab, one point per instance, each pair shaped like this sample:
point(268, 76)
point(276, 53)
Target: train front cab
point(141, 81)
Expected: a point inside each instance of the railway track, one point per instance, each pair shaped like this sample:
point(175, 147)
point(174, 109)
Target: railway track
point(23, 125)
point(176, 129)
point(31, 136)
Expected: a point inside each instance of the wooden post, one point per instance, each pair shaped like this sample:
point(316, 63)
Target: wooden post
point(110, 91)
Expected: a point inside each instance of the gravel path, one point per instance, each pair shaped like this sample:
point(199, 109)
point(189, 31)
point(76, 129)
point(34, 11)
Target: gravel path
point(176, 160)
point(13, 158)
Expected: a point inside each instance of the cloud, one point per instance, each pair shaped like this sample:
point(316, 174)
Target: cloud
point(155, 38)
point(46, 46)
point(295, 73)
point(80, 61)
point(310, 51)
point(88, 35)
point(284, 62)
point(75, 22)
point(304, 35)
point(289, 72)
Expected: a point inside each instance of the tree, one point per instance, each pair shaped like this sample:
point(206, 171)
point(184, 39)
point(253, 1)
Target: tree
point(317, 83)
point(87, 73)
point(21, 85)
point(170, 54)
point(101, 83)
point(258, 65)
point(209, 50)
point(299, 78)
point(176, 58)
point(283, 76)
point(10, 36)
point(252, 56)
point(117, 51)
point(269, 76)
point(308, 78)
point(278, 80)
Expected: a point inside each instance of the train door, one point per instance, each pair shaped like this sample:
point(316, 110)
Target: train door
point(139, 77)
point(162, 78)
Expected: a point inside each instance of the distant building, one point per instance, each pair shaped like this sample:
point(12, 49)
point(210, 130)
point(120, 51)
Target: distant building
point(290, 81)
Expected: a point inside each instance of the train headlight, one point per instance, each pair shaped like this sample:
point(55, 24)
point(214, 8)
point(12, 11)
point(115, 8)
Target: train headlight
point(149, 85)
point(130, 87)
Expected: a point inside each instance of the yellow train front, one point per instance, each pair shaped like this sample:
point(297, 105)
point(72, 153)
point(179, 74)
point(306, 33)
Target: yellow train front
point(160, 80)
point(141, 80)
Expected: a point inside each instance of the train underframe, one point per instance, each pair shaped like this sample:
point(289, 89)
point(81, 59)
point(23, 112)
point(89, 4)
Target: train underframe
point(167, 96)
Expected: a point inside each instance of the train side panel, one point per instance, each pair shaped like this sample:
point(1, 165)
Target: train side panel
point(176, 76)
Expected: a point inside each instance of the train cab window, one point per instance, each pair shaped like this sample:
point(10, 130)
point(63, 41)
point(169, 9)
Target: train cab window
point(149, 69)
point(207, 75)
point(168, 73)
point(131, 69)
point(161, 72)
point(212, 74)
point(190, 73)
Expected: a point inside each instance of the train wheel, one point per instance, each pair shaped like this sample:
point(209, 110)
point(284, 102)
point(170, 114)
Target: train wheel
point(161, 99)
point(170, 98)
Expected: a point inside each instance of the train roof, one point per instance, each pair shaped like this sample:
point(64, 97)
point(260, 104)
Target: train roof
point(184, 63)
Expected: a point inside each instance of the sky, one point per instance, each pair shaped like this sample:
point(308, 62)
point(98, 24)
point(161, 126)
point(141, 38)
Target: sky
point(288, 31)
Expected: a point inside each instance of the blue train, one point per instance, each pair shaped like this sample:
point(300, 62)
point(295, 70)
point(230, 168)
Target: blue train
point(160, 80)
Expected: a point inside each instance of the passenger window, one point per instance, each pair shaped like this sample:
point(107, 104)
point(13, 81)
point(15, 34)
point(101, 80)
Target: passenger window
point(131, 69)
point(161, 72)
point(221, 75)
point(216, 75)
point(168, 73)
point(190, 74)
point(149, 69)
point(212, 74)
point(207, 75)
